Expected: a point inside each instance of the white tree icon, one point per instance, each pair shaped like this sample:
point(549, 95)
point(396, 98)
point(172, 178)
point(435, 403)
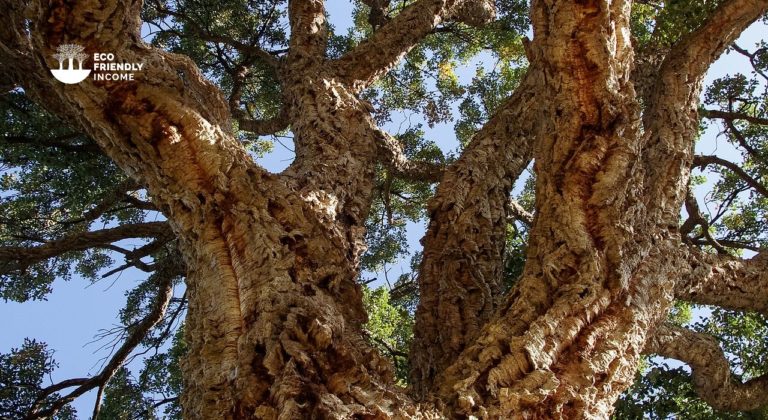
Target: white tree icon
point(70, 52)
point(80, 57)
point(60, 58)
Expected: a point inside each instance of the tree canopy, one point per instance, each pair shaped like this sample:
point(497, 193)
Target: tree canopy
point(68, 211)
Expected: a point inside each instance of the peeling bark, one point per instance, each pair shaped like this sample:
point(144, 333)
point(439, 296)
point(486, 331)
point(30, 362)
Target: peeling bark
point(568, 337)
point(671, 120)
point(725, 281)
point(712, 377)
point(460, 274)
point(377, 55)
point(275, 315)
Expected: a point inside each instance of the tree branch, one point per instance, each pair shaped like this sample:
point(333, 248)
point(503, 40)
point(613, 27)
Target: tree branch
point(724, 280)
point(728, 243)
point(696, 52)
point(731, 116)
point(309, 32)
point(16, 59)
point(753, 58)
point(712, 377)
point(182, 115)
point(704, 160)
point(393, 352)
point(459, 276)
point(25, 256)
point(265, 127)
point(117, 195)
point(695, 218)
point(59, 142)
point(378, 54)
point(520, 213)
point(205, 35)
point(756, 154)
point(169, 270)
point(394, 158)
point(671, 119)
point(97, 403)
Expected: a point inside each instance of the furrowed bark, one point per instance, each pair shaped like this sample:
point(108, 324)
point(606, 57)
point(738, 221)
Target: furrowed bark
point(671, 119)
point(712, 377)
point(308, 30)
point(296, 348)
point(593, 242)
point(388, 45)
point(335, 145)
point(274, 319)
point(460, 274)
point(566, 341)
point(723, 280)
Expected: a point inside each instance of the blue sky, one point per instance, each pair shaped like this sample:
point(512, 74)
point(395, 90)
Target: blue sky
point(77, 310)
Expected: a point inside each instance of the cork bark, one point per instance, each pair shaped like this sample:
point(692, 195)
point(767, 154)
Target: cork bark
point(274, 325)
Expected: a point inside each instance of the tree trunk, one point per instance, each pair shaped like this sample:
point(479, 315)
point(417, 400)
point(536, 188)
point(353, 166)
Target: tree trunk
point(278, 333)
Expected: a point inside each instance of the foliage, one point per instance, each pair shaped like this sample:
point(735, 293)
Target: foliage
point(123, 398)
point(397, 203)
point(664, 389)
point(390, 328)
point(51, 177)
point(22, 374)
point(161, 376)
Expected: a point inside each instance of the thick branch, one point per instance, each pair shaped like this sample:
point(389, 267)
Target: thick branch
point(265, 127)
point(157, 132)
point(520, 213)
point(379, 53)
point(731, 116)
point(694, 54)
point(704, 160)
point(671, 120)
point(589, 289)
point(460, 273)
point(394, 158)
point(24, 256)
point(712, 375)
point(309, 30)
point(724, 280)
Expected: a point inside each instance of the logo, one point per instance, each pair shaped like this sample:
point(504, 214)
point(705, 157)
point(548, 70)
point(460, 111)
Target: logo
point(69, 53)
point(105, 66)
